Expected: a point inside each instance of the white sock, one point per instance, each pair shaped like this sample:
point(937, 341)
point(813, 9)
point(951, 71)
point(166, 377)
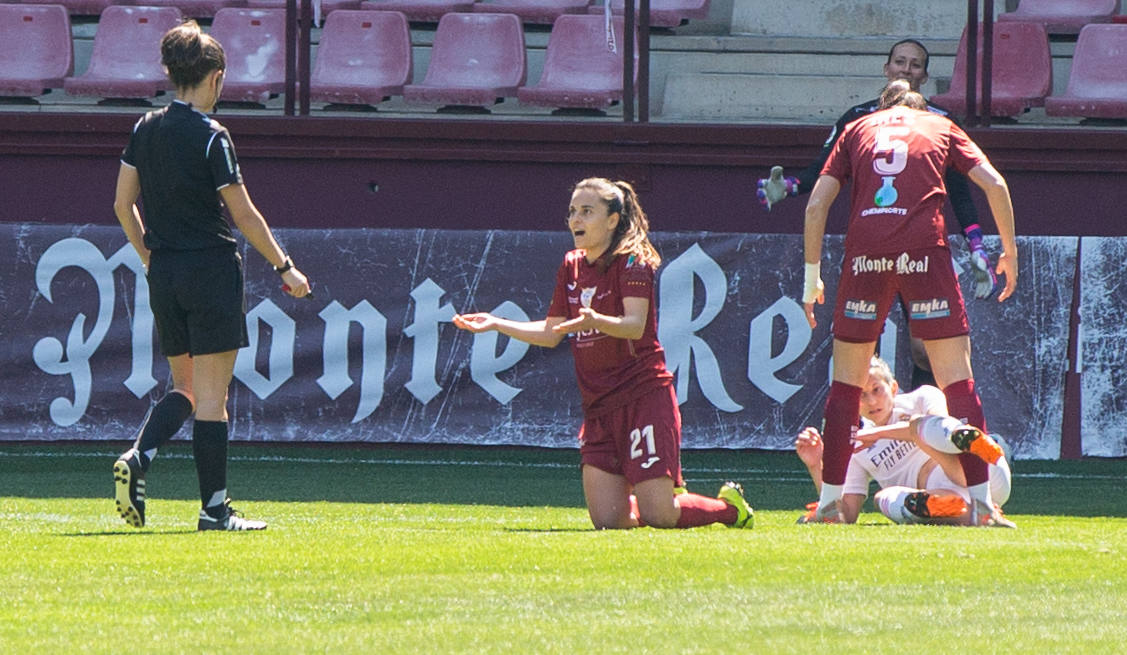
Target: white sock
point(936, 432)
point(890, 500)
point(830, 493)
point(980, 495)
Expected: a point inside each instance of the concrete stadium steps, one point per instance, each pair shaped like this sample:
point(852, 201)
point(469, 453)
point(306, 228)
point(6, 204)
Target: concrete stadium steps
point(937, 19)
point(740, 96)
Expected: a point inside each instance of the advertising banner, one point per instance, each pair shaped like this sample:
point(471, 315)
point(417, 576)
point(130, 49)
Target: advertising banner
point(373, 356)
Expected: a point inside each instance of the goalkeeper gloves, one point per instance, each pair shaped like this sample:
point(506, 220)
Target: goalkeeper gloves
point(985, 282)
point(773, 189)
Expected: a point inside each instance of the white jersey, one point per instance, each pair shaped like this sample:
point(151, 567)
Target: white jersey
point(891, 462)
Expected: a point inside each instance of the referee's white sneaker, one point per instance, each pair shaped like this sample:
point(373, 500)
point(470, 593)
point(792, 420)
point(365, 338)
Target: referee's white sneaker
point(227, 518)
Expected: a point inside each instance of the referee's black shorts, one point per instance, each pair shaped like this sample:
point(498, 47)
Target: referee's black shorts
point(197, 300)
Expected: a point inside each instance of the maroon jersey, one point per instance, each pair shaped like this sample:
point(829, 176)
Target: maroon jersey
point(896, 159)
point(611, 371)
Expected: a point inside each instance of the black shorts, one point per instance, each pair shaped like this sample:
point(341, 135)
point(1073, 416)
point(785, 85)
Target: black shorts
point(197, 300)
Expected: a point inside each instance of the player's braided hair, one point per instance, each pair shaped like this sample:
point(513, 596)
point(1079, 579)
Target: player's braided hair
point(631, 235)
point(189, 55)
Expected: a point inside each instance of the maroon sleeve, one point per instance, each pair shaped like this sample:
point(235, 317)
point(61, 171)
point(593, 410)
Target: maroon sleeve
point(964, 153)
point(838, 164)
point(637, 279)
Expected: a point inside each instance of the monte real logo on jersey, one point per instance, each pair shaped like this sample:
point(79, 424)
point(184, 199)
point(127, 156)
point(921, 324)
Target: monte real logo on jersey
point(861, 310)
point(934, 308)
point(902, 265)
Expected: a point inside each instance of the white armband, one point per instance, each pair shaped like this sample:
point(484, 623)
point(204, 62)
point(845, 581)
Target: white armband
point(812, 286)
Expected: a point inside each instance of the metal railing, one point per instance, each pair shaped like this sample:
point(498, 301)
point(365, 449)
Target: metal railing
point(636, 94)
point(973, 116)
point(299, 26)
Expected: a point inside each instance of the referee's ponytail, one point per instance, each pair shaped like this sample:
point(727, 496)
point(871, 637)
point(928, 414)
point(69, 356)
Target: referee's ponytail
point(189, 55)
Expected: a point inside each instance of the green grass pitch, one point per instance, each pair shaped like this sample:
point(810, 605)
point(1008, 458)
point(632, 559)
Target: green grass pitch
point(489, 550)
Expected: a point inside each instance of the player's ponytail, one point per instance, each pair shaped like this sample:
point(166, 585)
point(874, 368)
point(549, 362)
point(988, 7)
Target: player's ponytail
point(631, 235)
point(189, 55)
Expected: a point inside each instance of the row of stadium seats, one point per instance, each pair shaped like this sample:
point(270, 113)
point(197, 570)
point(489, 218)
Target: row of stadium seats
point(1022, 74)
point(1063, 16)
point(363, 57)
point(663, 13)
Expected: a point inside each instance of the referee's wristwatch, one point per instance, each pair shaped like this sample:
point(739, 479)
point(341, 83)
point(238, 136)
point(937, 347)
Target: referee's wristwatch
point(286, 265)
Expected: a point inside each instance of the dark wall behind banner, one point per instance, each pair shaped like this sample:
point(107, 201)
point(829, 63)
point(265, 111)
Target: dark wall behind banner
point(373, 356)
point(396, 173)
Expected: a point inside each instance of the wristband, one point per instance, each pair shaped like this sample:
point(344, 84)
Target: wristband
point(812, 286)
point(286, 265)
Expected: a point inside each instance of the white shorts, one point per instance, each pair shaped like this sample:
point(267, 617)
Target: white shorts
point(1000, 480)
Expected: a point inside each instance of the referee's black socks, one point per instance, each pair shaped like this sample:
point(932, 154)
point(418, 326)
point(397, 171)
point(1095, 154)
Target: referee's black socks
point(209, 446)
point(164, 421)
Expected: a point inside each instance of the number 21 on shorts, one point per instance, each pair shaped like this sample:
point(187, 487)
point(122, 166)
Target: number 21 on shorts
point(640, 437)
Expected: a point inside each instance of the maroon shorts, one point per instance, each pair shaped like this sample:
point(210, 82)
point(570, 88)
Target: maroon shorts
point(923, 278)
point(640, 440)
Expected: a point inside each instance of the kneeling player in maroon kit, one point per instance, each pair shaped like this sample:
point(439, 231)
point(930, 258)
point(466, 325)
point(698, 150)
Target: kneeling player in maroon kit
point(630, 441)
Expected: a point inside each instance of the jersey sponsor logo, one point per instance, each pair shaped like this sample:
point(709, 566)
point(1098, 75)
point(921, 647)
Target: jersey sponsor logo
point(862, 310)
point(890, 454)
point(905, 265)
point(899, 211)
point(571, 286)
point(925, 309)
point(887, 194)
point(650, 462)
point(865, 264)
point(902, 265)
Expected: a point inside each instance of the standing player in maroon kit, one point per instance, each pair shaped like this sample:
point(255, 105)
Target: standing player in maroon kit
point(895, 244)
point(630, 441)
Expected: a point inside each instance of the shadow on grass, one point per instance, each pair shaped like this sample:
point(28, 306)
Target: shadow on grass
point(502, 476)
point(141, 532)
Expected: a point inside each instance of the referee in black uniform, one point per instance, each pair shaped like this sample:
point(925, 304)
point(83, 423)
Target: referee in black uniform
point(182, 164)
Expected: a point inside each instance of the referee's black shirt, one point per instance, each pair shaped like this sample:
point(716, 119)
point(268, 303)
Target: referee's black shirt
point(183, 158)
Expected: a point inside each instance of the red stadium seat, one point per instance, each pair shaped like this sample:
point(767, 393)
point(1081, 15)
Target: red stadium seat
point(476, 60)
point(125, 62)
point(1063, 16)
point(36, 52)
point(580, 70)
point(84, 7)
point(1022, 72)
point(363, 57)
point(663, 13)
point(1097, 85)
point(423, 11)
point(194, 8)
point(540, 12)
point(254, 41)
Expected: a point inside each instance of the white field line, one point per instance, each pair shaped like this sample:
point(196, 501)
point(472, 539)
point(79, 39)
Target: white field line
point(482, 463)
